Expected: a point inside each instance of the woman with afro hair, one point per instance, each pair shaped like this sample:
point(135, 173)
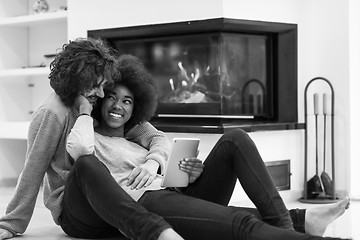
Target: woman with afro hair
point(198, 211)
point(135, 77)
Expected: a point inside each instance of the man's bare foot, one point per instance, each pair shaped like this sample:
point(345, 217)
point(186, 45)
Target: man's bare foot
point(169, 234)
point(318, 218)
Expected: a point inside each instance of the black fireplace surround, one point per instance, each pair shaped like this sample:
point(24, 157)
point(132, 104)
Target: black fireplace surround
point(217, 74)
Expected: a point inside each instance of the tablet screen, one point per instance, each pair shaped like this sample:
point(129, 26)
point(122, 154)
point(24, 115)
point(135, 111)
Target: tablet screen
point(181, 148)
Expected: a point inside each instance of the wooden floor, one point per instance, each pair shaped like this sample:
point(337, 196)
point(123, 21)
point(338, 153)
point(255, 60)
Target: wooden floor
point(43, 227)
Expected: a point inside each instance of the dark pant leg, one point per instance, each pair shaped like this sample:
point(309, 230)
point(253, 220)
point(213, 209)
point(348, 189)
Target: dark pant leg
point(235, 156)
point(95, 206)
point(196, 219)
point(298, 218)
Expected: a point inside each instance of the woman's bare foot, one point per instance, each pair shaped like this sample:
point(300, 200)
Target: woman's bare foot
point(169, 234)
point(318, 218)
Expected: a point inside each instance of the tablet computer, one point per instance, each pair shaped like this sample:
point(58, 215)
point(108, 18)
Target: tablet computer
point(181, 148)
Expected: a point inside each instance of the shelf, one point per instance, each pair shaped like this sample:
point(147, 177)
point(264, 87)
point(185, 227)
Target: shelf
point(18, 72)
point(14, 130)
point(34, 19)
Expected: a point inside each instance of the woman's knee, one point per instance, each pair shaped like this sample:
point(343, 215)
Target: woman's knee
point(237, 134)
point(239, 138)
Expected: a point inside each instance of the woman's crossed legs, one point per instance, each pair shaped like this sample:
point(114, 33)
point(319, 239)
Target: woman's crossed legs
point(194, 218)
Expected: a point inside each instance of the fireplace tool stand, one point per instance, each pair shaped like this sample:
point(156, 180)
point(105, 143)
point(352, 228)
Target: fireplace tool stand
point(319, 189)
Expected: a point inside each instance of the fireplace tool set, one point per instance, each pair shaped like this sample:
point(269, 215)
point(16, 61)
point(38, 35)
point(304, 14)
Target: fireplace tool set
point(319, 188)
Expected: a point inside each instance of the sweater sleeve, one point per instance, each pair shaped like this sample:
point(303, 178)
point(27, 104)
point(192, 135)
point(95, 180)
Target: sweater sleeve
point(146, 135)
point(43, 138)
point(80, 140)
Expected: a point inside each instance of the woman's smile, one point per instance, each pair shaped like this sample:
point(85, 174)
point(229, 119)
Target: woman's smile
point(116, 115)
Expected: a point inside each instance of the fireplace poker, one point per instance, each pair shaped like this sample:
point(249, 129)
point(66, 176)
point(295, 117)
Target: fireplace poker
point(314, 187)
point(325, 178)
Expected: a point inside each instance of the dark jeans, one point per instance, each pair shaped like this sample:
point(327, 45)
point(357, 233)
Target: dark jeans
point(235, 156)
point(201, 211)
point(95, 206)
point(194, 218)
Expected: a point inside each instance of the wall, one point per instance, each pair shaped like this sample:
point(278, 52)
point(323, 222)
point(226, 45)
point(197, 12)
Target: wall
point(323, 44)
point(13, 152)
point(137, 12)
point(354, 86)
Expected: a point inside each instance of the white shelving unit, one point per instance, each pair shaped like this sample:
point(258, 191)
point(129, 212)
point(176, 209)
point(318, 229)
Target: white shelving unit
point(25, 38)
point(24, 72)
point(34, 19)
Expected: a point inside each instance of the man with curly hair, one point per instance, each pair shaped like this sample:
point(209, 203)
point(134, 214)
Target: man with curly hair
point(83, 67)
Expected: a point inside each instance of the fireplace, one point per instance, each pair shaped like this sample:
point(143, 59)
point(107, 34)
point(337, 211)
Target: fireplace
point(217, 73)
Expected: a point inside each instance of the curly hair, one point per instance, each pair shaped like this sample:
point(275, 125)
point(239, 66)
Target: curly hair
point(79, 64)
point(139, 81)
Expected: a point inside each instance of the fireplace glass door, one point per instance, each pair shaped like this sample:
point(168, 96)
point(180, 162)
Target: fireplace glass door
point(216, 74)
point(200, 75)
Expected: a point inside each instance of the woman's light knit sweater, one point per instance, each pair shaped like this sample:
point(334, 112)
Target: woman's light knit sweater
point(118, 154)
point(47, 160)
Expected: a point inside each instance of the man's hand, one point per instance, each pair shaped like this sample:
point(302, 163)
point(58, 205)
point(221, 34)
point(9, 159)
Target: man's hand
point(5, 234)
point(143, 175)
point(83, 105)
point(193, 166)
